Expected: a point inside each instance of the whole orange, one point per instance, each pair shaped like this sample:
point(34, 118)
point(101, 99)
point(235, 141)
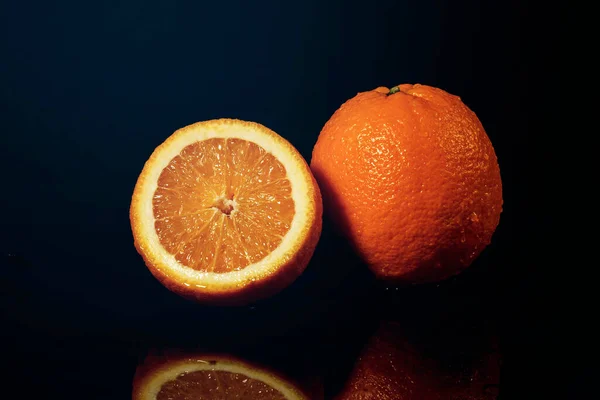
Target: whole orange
point(410, 176)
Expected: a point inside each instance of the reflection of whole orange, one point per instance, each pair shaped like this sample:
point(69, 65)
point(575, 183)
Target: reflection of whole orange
point(411, 177)
point(391, 366)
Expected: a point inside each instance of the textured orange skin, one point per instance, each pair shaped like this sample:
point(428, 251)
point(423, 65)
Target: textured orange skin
point(411, 179)
point(390, 368)
point(155, 362)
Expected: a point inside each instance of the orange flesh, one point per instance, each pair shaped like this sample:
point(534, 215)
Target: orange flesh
point(222, 204)
point(216, 385)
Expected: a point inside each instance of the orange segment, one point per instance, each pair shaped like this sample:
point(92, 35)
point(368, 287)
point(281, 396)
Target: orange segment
point(226, 211)
point(222, 204)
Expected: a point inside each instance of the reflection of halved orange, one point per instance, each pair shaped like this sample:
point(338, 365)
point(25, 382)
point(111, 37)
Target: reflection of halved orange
point(210, 377)
point(226, 211)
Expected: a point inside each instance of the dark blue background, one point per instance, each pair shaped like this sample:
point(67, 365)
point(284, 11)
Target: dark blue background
point(88, 90)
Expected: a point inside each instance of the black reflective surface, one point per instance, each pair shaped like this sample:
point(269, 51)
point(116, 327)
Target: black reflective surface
point(89, 90)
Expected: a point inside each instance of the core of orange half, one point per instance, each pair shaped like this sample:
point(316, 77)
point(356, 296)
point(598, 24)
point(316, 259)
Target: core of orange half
point(226, 211)
point(211, 377)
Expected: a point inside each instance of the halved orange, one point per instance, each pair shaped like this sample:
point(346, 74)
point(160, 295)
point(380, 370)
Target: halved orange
point(226, 211)
point(210, 377)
